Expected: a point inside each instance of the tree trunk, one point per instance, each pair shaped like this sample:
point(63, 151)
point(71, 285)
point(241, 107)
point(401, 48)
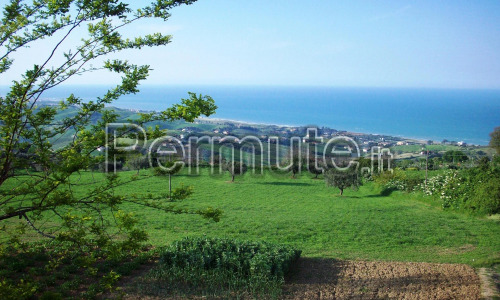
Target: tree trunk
point(170, 186)
point(232, 177)
point(341, 192)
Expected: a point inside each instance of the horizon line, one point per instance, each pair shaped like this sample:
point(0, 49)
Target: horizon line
point(276, 85)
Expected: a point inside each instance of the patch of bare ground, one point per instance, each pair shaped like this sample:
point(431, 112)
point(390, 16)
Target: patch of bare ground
point(319, 278)
point(331, 279)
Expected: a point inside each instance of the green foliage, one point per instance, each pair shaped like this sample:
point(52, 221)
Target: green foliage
point(475, 190)
point(454, 156)
point(138, 162)
point(295, 160)
point(495, 139)
point(234, 168)
point(342, 179)
point(399, 180)
point(169, 168)
point(204, 265)
point(61, 271)
point(486, 197)
point(28, 130)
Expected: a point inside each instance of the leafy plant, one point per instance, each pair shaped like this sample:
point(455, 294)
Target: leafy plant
point(342, 179)
point(206, 265)
point(45, 199)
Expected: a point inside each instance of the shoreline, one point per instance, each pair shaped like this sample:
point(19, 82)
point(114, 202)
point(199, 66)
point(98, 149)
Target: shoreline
point(409, 139)
point(419, 140)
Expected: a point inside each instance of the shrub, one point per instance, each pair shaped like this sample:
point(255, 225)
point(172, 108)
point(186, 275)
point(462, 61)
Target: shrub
point(398, 180)
point(475, 190)
point(486, 197)
point(224, 267)
point(246, 258)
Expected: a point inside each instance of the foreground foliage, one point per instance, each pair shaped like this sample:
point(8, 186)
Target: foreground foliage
point(40, 176)
point(220, 267)
point(59, 271)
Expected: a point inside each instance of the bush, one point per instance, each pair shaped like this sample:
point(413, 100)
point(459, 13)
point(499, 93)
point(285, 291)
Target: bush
point(399, 180)
point(246, 258)
point(475, 190)
point(224, 266)
point(486, 199)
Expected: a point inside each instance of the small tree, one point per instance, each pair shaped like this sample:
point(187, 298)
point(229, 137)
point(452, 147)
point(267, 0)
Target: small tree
point(342, 179)
point(295, 159)
point(138, 162)
point(169, 169)
point(313, 169)
point(234, 168)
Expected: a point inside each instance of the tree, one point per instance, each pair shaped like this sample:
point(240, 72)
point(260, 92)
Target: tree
point(138, 162)
point(295, 159)
point(28, 129)
point(495, 139)
point(342, 179)
point(234, 168)
point(311, 166)
point(169, 169)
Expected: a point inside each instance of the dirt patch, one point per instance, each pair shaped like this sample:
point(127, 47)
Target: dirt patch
point(332, 279)
point(318, 278)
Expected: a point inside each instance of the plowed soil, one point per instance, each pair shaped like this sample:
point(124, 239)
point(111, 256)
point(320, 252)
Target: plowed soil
point(318, 278)
point(331, 279)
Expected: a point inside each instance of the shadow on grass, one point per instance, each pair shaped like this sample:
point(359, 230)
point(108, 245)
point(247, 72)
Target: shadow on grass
point(386, 192)
point(285, 183)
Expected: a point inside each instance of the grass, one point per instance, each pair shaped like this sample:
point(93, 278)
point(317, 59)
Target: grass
point(307, 215)
point(418, 148)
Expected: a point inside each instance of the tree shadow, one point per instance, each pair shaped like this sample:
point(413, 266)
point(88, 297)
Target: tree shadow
point(385, 192)
point(286, 183)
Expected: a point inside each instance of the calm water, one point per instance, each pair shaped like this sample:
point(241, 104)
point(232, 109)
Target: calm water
point(460, 115)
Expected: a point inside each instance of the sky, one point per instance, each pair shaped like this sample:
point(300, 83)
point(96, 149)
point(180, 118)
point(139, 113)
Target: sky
point(429, 44)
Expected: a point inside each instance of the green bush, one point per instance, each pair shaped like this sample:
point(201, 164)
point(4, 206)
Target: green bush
point(399, 180)
point(245, 258)
point(476, 190)
point(486, 198)
point(209, 266)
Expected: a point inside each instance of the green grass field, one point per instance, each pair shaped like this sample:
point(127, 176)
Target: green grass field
point(305, 213)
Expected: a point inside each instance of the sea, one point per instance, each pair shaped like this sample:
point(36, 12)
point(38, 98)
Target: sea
point(430, 114)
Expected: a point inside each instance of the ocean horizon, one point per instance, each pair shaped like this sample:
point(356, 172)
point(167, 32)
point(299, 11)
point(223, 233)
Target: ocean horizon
point(430, 114)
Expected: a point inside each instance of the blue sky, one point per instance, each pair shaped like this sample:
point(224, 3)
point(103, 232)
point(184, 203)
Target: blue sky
point(436, 44)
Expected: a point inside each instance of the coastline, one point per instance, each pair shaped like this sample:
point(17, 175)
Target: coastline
point(437, 138)
point(347, 132)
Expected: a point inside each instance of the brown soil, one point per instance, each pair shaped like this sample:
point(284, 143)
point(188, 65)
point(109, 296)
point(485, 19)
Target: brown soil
point(319, 278)
point(332, 279)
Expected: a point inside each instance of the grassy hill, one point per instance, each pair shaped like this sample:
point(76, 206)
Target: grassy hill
point(305, 213)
